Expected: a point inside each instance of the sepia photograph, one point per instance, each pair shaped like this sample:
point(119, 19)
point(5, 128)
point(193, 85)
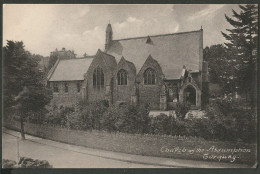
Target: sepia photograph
point(129, 86)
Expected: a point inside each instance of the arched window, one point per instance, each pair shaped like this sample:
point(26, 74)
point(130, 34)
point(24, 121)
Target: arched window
point(98, 78)
point(122, 77)
point(149, 77)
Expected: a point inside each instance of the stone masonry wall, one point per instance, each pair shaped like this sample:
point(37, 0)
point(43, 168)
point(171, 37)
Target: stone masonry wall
point(123, 92)
point(66, 98)
point(150, 93)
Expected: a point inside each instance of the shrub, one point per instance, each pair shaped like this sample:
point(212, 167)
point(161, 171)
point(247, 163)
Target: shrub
point(8, 163)
point(37, 117)
point(25, 162)
point(126, 118)
point(182, 109)
point(162, 124)
point(223, 121)
point(113, 119)
point(230, 123)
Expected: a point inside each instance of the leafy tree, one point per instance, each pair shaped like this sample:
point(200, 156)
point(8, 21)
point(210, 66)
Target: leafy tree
point(221, 74)
point(23, 84)
point(242, 40)
point(52, 60)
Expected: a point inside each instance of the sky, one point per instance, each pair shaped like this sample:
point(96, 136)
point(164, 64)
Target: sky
point(81, 27)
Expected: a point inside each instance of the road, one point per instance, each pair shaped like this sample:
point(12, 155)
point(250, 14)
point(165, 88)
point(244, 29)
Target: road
point(61, 155)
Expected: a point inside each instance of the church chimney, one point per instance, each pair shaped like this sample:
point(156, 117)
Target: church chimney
point(109, 36)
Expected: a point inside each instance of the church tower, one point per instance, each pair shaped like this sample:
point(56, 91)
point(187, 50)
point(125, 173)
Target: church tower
point(109, 36)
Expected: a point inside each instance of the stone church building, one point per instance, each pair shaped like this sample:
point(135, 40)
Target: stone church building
point(160, 70)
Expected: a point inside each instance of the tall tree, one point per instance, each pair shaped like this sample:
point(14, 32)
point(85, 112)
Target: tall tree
point(23, 82)
point(222, 73)
point(242, 40)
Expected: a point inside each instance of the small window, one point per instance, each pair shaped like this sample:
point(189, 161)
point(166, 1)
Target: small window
point(149, 77)
point(122, 77)
point(78, 87)
point(55, 87)
point(66, 87)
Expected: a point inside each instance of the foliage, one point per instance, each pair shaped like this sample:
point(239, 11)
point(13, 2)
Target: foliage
point(25, 162)
point(53, 59)
point(127, 118)
point(224, 121)
point(216, 55)
point(8, 163)
point(223, 74)
point(23, 81)
point(182, 109)
point(162, 125)
point(242, 40)
point(228, 122)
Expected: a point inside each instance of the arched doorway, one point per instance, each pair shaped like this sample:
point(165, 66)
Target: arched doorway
point(190, 95)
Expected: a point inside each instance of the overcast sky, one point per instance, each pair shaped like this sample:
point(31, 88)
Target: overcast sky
point(81, 28)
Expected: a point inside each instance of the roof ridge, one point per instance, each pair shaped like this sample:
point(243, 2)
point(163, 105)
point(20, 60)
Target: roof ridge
point(158, 35)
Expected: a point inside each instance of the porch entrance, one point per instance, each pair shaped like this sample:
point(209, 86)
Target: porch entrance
point(190, 95)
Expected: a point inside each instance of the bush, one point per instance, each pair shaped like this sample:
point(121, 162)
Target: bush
point(230, 123)
point(162, 125)
point(31, 163)
point(37, 117)
point(223, 121)
point(127, 118)
point(25, 162)
point(8, 163)
point(182, 109)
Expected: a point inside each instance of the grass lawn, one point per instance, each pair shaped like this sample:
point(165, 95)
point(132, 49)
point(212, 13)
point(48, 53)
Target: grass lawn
point(150, 145)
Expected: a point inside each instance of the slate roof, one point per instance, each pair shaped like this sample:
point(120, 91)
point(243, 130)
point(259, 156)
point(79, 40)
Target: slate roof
point(171, 51)
point(70, 69)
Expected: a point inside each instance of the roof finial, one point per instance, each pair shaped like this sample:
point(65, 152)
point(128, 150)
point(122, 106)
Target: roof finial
point(201, 27)
point(108, 21)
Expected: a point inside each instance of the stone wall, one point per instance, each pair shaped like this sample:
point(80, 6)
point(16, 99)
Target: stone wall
point(150, 93)
point(123, 92)
point(102, 93)
point(66, 98)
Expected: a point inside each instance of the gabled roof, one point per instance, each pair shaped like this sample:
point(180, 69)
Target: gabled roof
point(70, 69)
point(109, 59)
point(129, 64)
point(172, 51)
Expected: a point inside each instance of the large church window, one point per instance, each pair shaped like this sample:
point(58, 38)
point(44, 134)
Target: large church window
point(122, 77)
point(149, 77)
point(98, 78)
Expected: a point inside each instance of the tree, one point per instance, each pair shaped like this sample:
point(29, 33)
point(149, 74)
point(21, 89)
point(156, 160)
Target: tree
point(23, 83)
point(242, 40)
point(221, 74)
point(53, 59)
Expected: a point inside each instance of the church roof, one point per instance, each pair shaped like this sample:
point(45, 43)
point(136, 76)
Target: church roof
point(171, 51)
point(71, 69)
point(109, 59)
